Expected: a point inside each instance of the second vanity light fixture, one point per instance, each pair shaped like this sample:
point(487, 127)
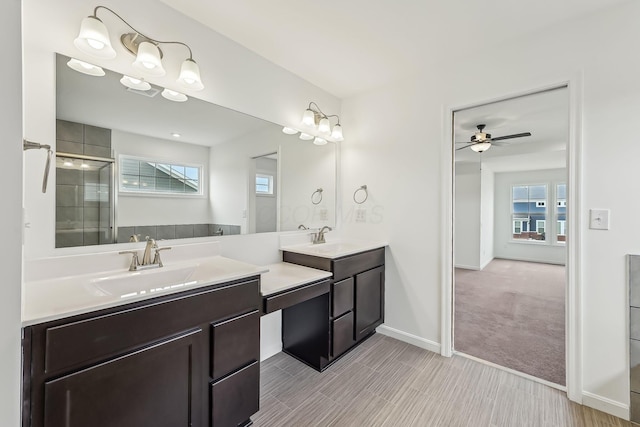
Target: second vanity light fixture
point(316, 126)
point(93, 39)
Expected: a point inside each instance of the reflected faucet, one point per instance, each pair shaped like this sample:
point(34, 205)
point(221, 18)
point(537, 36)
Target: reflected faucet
point(319, 236)
point(146, 257)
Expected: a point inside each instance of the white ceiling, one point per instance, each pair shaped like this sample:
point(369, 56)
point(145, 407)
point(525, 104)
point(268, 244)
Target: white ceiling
point(347, 47)
point(544, 114)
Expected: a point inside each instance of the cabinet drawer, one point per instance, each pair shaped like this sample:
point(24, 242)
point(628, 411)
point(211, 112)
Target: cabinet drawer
point(342, 297)
point(234, 343)
point(342, 334)
point(295, 296)
point(354, 264)
point(236, 398)
point(92, 339)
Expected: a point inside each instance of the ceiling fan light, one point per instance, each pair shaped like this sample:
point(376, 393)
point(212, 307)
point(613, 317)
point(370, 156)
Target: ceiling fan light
point(148, 60)
point(133, 83)
point(93, 39)
point(337, 133)
point(85, 68)
point(190, 75)
point(308, 118)
point(480, 147)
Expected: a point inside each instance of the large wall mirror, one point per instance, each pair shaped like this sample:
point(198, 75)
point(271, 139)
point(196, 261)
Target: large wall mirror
point(131, 163)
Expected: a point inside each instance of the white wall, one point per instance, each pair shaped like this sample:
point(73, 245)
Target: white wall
point(136, 209)
point(487, 212)
point(10, 261)
point(467, 216)
point(234, 77)
point(505, 246)
point(389, 149)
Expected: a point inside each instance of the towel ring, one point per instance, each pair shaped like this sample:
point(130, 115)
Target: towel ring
point(316, 199)
point(366, 194)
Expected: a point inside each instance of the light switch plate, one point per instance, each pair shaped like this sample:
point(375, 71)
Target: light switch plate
point(599, 219)
point(361, 215)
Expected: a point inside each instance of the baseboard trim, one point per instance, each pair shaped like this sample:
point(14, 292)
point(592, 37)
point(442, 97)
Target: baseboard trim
point(607, 405)
point(467, 267)
point(269, 351)
point(409, 338)
point(483, 265)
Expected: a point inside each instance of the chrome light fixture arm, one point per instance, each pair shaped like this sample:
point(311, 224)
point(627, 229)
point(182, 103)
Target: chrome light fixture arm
point(151, 39)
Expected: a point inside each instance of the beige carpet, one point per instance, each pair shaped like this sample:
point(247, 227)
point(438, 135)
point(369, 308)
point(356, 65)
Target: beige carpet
point(512, 314)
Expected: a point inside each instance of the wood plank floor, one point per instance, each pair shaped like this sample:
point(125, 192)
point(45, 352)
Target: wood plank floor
point(386, 382)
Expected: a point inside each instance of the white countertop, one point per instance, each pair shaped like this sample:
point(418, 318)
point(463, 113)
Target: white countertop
point(51, 299)
point(283, 275)
point(335, 249)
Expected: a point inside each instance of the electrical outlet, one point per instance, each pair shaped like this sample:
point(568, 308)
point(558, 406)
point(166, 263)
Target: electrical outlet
point(361, 215)
point(599, 219)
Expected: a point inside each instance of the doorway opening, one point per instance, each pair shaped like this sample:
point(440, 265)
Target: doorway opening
point(510, 233)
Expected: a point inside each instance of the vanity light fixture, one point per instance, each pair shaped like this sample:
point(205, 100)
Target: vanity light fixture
point(93, 39)
point(319, 141)
point(85, 67)
point(172, 95)
point(316, 124)
point(133, 83)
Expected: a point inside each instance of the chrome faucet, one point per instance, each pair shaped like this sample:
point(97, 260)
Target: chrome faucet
point(146, 257)
point(150, 246)
point(319, 236)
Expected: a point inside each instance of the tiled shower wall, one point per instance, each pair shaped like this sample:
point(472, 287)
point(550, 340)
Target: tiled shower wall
point(83, 211)
point(634, 333)
point(179, 231)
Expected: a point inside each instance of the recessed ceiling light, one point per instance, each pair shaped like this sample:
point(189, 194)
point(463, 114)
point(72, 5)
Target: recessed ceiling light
point(176, 135)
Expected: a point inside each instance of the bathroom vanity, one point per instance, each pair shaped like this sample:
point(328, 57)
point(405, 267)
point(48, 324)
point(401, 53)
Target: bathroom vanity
point(319, 330)
point(188, 356)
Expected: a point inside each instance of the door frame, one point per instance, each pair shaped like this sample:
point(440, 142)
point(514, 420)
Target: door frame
point(573, 331)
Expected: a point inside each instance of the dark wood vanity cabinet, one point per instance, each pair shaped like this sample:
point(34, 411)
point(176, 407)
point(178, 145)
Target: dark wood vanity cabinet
point(320, 330)
point(187, 359)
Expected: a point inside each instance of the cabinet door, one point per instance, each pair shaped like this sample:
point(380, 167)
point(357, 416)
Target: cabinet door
point(161, 385)
point(342, 297)
point(369, 309)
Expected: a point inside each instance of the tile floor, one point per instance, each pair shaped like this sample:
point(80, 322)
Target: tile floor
point(386, 382)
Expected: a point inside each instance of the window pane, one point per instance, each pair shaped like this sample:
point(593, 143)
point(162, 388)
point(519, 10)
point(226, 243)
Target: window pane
point(529, 207)
point(152, 177)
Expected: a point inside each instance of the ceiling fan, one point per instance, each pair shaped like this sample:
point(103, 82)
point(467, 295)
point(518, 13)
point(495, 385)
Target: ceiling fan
point(482, 141)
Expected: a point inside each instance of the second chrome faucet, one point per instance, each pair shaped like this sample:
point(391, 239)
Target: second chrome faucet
point(319, 236)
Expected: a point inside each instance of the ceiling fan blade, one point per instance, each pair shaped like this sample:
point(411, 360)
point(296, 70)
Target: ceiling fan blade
point(461, 148)
point(515, 135)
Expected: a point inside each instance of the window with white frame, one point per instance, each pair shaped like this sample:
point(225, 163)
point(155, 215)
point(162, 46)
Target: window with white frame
point(528, 211)
point(264, 184)
point(561, 213)
point(139, 175)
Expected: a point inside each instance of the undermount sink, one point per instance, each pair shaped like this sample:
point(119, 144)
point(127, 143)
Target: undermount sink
point(132, 283)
